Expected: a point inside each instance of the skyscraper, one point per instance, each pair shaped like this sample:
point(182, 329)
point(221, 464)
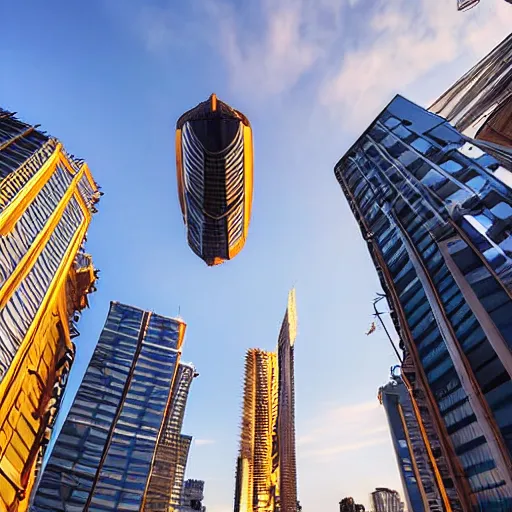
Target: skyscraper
point(481, 101)
point(266, 478)
point(386, 500)
point(422, 481)
point(111, 443)
point(349, 505)
point(193, 495)
point(435, 210)
point(214, 160)
point(46, 200)
point(166, 481)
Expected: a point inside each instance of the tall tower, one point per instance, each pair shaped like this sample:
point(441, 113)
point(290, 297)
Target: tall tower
point(107, 451)
point(286, 409)
point(386, 500)
point(46, 205)
point(423, 473)
point(266, 478)
point(258, 471)
point(166, 481)
point(193, 495)
point(435, 210)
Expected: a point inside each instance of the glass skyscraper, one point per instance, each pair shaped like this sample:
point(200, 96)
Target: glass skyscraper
point(436, 210)
point(214, 164)
point(266, 477)
point(166, 481)
point(386, 500)
point(46, 203)
point(420, 470)
point(193, 495)
point(108, 449)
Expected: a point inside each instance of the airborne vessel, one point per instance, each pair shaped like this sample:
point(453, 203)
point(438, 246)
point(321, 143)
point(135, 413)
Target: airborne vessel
point(214, 163)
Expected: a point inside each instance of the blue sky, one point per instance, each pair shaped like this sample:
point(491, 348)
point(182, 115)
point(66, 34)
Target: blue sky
point(110, 78)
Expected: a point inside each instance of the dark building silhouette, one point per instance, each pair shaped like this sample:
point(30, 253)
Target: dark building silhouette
point(193, 495)
point(349, 505)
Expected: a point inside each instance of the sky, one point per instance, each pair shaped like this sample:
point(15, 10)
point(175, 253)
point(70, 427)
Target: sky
point(111, 77)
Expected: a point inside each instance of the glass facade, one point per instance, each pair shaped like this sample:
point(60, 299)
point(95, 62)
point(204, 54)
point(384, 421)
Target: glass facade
point(435, 470)
point(104, 455)
point(214, 159)
point(193, 495)
point(386, 500)
point(266, 476)
point(166, 482)
point(423, 484)
point(46, 203)
point(435, 210)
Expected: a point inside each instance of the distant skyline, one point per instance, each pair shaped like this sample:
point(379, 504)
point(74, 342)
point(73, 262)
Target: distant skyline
point(110, 80)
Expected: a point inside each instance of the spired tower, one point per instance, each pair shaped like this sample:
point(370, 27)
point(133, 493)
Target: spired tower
point(47, 200)
point(266, 479)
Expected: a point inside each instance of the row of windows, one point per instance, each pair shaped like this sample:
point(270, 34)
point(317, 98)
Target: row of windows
point(14, 182)
point(16, 244)
point(459, 173)
point(21, 308)
point(75, 462)
point(392, 398)
point(19, 143)
point(373, 180)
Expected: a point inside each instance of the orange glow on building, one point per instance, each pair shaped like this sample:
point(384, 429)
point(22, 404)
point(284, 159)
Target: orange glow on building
point(46, 203)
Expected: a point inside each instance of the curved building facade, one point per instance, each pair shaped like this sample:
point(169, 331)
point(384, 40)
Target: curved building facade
point(47, 201)
point(214, 161)
point(473, 102)
point(435, 210)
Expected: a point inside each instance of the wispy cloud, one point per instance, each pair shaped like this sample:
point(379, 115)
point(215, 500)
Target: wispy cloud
point(345, 450)
point(203, 442)
point(358, 53)
point(270, 57)
point(266, 47)
point(403, 42)
point(342, 429)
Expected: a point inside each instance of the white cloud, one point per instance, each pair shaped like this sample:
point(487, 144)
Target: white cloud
point(404, 42)
point(291, 40)
point(203, 442)
point(359, 52)
point(345, 451)
point(343, 429)
point(266, 49)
